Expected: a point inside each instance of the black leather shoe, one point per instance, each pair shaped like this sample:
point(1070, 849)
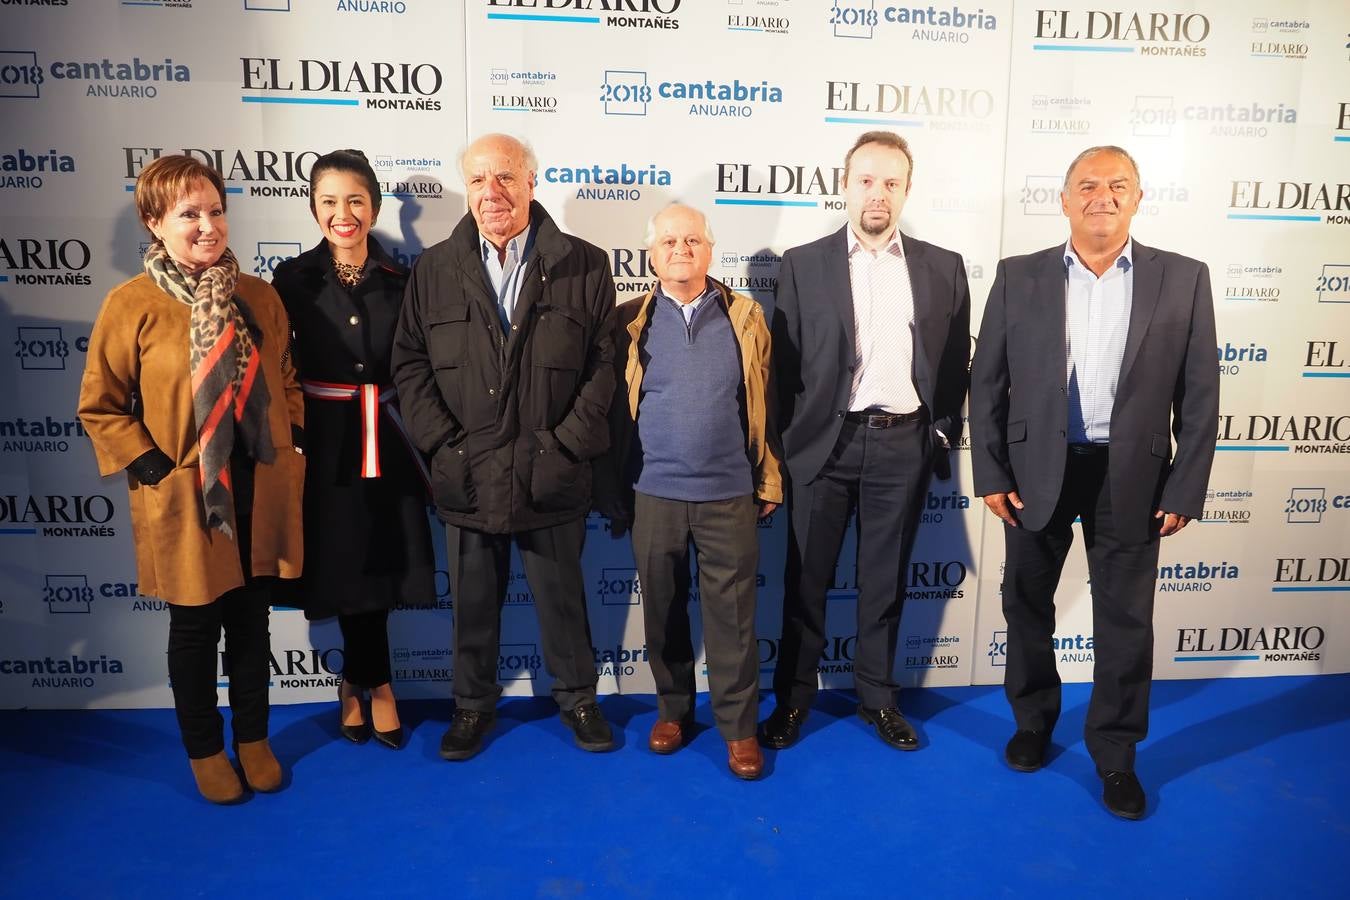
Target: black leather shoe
point(783, 726)
point(1123, 794)
point(1026, 750)
point(391, 739)
point(465, 736)
point(590, 731)
point(891, 727)
point(357, 734)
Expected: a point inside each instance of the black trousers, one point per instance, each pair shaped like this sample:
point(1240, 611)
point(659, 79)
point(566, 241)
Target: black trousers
point(479, 566)
point(727, 543)
point(882, 475)
point(365, 648)
point(194, 634)
point(1123, 577)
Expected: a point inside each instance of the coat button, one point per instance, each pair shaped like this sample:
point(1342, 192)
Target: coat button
point(515, 327)
point(359, 367)
point(354, 320)
point(492, 392)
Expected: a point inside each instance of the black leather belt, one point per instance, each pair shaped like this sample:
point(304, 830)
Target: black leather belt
point(1088, 449)
point(883, 419)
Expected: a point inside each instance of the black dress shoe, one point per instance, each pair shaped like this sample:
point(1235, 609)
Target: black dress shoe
point(590, 731)
point(783, 726)
point(1123, 794)
point(357, 734)
point(891, 727)
point(465, 735)
point(392, 739)
point(1026, 750)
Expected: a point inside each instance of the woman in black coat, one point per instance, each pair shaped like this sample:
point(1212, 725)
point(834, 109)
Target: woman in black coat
point(367, 543)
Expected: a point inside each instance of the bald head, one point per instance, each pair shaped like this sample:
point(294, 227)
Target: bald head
point(499, 179)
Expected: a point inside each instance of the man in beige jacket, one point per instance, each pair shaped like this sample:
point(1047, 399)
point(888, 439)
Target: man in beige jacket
point(694, 456)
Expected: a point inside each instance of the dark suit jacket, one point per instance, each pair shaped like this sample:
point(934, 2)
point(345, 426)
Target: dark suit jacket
point(1169, 382)
point(813, 334)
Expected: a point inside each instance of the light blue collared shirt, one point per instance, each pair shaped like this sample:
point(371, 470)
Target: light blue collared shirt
point(507, 276)
point(1097, 319)
point(687, 309)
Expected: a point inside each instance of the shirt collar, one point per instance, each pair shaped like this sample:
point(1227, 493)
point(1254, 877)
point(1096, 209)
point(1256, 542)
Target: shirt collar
point(521, 242)
point(893, 246)
point(708, 290)
point(1124, 262)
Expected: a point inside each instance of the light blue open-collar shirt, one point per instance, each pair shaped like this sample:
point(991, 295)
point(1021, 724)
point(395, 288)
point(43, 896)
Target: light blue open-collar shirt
point(507, 275)
point(1097, 319)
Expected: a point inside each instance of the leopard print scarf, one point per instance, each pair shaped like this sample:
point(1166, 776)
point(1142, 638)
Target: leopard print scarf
point(229, 399)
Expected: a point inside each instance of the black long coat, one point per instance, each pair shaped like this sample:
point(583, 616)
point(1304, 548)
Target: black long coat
point(367, 540)
point(512, 418)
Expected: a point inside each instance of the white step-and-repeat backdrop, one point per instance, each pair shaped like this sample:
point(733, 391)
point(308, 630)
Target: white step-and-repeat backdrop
point(1238, 112)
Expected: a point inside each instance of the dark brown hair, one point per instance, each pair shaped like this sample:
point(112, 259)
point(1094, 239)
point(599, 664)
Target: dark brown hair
point(886, 139)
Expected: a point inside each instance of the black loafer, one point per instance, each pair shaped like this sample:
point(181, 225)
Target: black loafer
point(783, 726)
point(891, 727)
point(1026, 750)
point(590, 731)
point(465, 736)
point(1123, 794)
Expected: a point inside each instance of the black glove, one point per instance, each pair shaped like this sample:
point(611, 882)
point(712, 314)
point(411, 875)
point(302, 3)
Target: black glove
point(151, 466)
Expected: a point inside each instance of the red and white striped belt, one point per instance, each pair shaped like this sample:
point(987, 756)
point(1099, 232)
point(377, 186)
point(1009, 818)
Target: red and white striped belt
point(373, 398)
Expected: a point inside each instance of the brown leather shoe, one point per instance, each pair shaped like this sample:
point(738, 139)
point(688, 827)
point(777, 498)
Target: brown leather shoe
point(666, 737)
point(216, 778)
point(745, 759)
point(261, 769)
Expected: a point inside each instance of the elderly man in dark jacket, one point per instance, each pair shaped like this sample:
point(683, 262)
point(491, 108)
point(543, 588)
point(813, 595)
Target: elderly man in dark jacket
point(503, 360)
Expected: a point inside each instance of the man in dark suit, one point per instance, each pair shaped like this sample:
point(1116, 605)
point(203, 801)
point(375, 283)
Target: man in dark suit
point(1095, 393)
point(871, 341)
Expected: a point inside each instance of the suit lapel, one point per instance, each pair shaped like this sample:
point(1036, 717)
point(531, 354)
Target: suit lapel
point(1143, 301)
point(1048, 295)
point(840, 286)
point(928, 324)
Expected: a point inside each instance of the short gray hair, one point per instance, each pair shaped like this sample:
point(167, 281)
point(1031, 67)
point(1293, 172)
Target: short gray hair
point(526, 151)
point(1104, 148)
point(650, 237)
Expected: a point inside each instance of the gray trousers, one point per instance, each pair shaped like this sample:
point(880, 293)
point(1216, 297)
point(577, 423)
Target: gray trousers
point(727, 546)
point(479, 566)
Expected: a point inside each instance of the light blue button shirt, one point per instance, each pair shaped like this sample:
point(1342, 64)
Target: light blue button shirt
point(507, 275)
point(1097, 319)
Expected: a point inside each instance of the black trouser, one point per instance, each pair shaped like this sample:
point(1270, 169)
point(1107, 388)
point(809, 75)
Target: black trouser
point(365, 648)
point(479, 565)
point(1122, 577)
point(194, 633)
point(727, 544)
point(883, 474)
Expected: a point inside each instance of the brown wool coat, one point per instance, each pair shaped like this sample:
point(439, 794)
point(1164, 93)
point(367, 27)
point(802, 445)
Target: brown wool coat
point(139, 345)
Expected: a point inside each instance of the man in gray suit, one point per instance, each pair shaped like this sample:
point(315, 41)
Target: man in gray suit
point(1094, 393)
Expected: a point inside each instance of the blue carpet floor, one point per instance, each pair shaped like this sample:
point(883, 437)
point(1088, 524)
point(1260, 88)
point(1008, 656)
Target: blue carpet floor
point(1247, 780)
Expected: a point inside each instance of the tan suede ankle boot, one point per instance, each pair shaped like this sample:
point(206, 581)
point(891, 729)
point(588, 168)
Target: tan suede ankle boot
point(261, 769)
point(216, 778)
